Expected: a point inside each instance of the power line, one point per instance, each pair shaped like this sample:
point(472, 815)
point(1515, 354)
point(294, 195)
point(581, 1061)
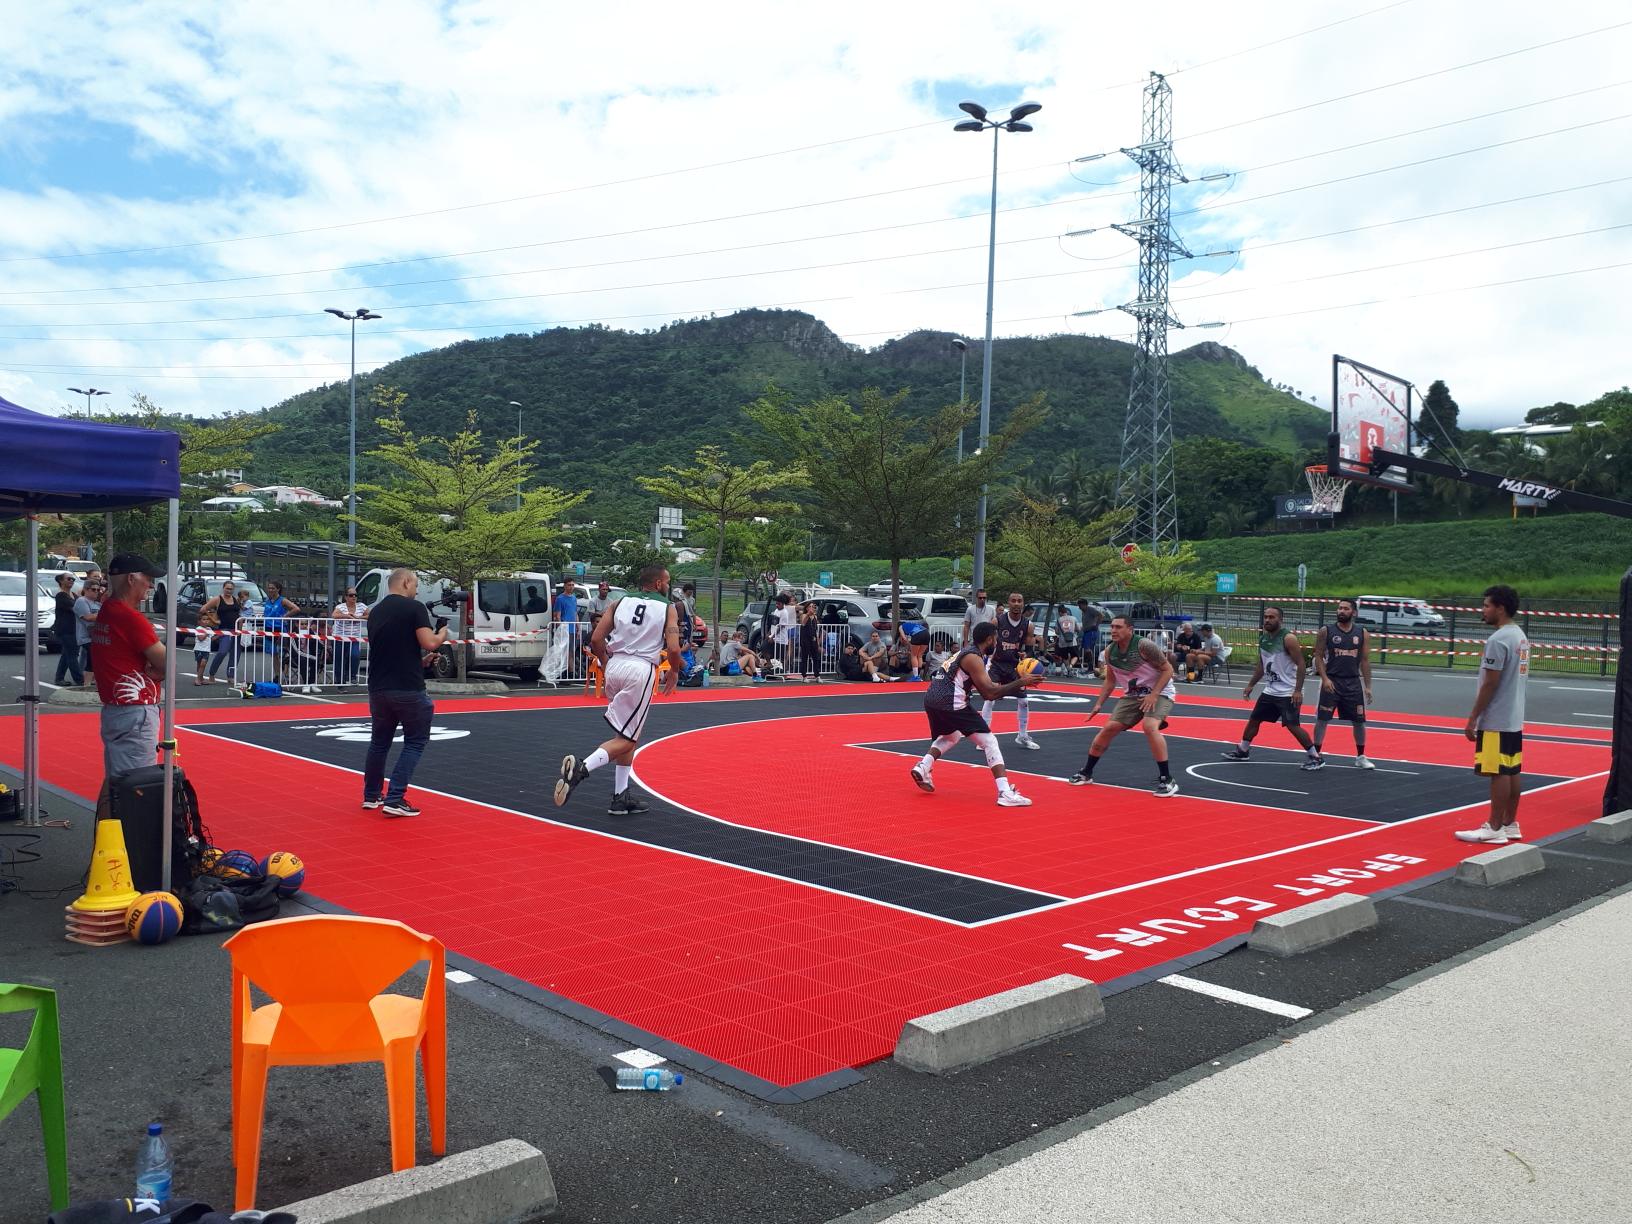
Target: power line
point(1285, 39)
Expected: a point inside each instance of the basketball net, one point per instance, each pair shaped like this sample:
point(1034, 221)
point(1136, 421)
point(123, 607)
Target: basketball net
point(1327, 491)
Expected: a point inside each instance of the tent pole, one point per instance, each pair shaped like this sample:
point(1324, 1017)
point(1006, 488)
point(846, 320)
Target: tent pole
point(31, 684)
point(167, 737)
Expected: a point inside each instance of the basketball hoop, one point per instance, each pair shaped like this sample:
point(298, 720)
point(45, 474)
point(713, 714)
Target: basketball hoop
point(1326, 491)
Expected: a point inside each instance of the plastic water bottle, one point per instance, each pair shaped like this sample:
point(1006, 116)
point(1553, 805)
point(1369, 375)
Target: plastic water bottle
point(153, 1166)
point(650, 1079)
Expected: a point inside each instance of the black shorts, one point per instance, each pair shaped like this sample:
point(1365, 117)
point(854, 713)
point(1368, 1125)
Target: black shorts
point(1498, 753)
point(921, 638)
point(1283, 710)
point(964, 721)
point(1002, 672)
point(1349, 702)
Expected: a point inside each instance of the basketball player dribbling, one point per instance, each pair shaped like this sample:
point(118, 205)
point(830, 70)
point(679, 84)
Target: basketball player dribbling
point(630, 637)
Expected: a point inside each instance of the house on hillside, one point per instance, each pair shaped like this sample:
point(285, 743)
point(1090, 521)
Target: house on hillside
point(230, 505)
point(294, 495)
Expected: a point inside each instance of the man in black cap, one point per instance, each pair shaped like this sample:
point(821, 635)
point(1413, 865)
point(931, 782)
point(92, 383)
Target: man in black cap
point(128, 660)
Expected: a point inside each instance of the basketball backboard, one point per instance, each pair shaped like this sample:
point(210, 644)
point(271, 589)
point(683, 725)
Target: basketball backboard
point(1371, 411)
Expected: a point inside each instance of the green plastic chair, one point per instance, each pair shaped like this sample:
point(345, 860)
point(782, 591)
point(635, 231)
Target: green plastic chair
point(37, 1067)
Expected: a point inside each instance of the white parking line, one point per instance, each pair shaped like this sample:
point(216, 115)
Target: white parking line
point(1273, 1006)
point(41, 683)
point(1588, 714)
point(1607, 690)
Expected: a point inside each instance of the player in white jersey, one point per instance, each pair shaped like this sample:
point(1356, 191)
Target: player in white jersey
point(631, 637)
point(1281, 666)
point(1145, 673)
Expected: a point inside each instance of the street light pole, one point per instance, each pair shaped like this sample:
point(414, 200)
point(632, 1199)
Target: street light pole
point(516, 404)
point(351, 443)
point(107, 515)
point(978, 122)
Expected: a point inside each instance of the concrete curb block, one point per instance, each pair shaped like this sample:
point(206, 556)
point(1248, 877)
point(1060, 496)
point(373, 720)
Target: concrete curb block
point(1500, 866)
point(74, 697)
point(984, 1029)
point(1314, 925)
point(470, 688)
point(1616, 827)
point(502, 1183)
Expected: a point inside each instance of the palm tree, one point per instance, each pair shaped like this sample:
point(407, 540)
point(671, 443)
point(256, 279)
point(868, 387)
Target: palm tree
point(1073, 473)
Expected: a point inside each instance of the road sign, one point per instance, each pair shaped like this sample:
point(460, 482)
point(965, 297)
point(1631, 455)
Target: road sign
point(1303, 576)
point(580, 568)
point(1130, 553)
point(1226, 584)
point(825, 578)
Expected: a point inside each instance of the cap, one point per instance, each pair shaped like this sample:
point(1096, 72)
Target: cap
point(134, 563)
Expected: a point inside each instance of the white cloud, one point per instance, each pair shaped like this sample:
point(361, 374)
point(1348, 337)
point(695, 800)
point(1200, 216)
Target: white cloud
point(302, 119)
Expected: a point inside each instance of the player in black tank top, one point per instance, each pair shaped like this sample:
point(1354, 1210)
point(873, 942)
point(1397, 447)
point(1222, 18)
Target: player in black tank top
point(951, 718)
point(1014, 638)
point(1343, 662)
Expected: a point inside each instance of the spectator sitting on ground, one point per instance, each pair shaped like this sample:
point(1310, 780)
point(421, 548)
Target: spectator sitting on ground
point(851, 666)
point(900, 664)
point(874, 656)
point(737, 660)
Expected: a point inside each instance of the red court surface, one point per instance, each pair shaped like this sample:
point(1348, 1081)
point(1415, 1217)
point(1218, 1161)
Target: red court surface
point(777, 978)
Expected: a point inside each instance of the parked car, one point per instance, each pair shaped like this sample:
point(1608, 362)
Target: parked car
point(1145, 614)
point(498, 606)
point(14, 608)
point(1399, 612)
point(883, 588)
point(942, 613)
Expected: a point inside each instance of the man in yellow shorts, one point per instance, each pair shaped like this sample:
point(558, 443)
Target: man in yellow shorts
point(1496, 724)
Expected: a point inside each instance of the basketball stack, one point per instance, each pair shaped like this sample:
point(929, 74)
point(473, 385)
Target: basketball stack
point(98, 917)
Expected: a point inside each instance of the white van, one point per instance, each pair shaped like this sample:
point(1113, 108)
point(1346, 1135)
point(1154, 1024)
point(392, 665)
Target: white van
point(519, 603)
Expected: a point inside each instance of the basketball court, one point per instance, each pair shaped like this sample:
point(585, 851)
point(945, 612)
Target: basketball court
point(791, 898)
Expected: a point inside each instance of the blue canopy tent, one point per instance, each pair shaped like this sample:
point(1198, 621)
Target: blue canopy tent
point(49, 465)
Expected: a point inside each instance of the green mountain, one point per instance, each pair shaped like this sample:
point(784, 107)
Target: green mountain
point(605, 405)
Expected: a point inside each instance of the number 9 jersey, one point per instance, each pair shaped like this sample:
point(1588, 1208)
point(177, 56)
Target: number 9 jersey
point(637, 627)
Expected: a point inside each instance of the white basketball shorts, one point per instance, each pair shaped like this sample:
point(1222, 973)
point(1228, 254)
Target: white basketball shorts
point(629, 685)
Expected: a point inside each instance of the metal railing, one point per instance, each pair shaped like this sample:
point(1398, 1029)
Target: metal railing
point(298, 652)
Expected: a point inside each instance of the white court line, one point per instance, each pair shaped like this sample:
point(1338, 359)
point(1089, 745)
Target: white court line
point(41, 683)
point(1273, 1006)
point(201, 729)
point(1588, 714)
point(1279, 790)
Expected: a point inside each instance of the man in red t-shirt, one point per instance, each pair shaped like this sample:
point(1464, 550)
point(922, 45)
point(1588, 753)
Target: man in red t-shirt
point(128, 659)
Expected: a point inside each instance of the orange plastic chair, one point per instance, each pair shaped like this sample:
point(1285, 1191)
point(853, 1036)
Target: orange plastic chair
point(326, 974)
point(595, 676)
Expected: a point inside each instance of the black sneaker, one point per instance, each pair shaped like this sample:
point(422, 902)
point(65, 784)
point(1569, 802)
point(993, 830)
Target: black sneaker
point(1165, 787)
point(572, 773)
point(625, 804)
point(1313, 763)
point(400, 807)
point(1080, 779)
point(373, 805)
point(1235, 754)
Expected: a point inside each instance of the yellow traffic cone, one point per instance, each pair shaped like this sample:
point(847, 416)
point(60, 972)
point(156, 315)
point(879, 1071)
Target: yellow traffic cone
point(109, 887)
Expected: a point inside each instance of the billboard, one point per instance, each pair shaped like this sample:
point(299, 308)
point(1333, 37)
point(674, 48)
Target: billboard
point(1298, 506)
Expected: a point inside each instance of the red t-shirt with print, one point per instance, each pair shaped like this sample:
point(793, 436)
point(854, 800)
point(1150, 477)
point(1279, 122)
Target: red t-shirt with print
point(120, 636)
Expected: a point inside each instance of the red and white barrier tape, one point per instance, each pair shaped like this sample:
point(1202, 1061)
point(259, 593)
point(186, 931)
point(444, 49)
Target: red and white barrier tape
point(1321, 599)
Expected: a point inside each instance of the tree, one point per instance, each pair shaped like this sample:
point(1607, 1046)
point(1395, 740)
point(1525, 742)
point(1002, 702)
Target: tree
point(1559, 413)
point(1436, 426)
point(1162, 577)
point(632, 558)
point(762, 549)
point(888, 481)
point(449, 508)
point(1049, 556)
point(726, 493)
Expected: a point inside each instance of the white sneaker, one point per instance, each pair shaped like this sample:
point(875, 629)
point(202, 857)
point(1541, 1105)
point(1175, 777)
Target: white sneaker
point(1513, 832)
point(922, 777)
point(1361, 762)
point(1012, 798)
point(1484, 834)
point(1025, 741)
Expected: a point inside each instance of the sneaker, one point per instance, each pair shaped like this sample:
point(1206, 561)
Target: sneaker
point(1012, 798)
point(400, 807)
point(1484, 834)
point(1080, 779)
point(1025, 741)
point(625, 804)
point(922, 777)
point(1361, 762)
point(1313, 763)
point(372, 805)
point(1165, 787)
point(1513, 832)
point(1235, 754)
point(572, 773)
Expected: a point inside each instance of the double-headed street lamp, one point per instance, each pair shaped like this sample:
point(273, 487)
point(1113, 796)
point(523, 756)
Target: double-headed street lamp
point(351, 444)
point(978, 122)
point(88, 392)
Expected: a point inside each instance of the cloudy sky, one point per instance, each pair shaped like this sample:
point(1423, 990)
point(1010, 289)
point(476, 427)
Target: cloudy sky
point(1440, 188)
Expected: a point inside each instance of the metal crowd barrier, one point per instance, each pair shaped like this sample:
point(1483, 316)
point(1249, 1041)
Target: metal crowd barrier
point(298, 652)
